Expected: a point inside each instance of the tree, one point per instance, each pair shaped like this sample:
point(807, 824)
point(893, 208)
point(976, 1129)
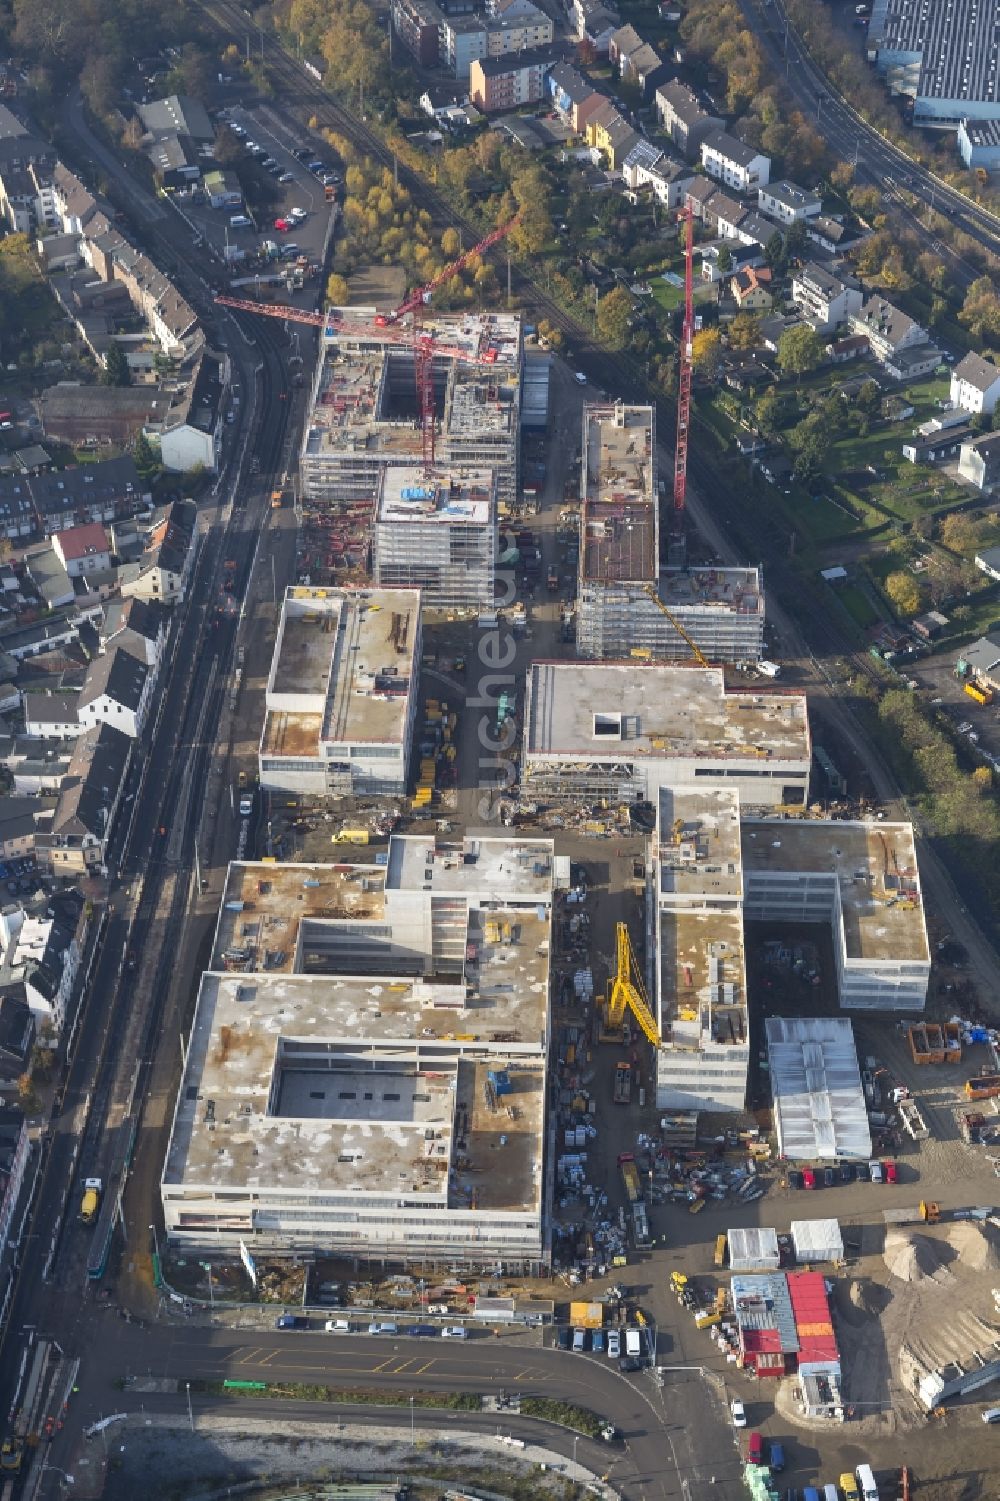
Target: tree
point(869, 398)
point(145, 457)
point(774, 251)
point(959, 532)
point(796, 239)
point(586, 53)
point(27, 1094)
point(724, 260)
point(706, 351)
point(982, 779)
point(903, 593)
point(809, 440)
point(767, 412)
point(981, 310)
point(744, 331)
point(800, 350)
point(451, 244)
point(613, 314)
point(116, 371)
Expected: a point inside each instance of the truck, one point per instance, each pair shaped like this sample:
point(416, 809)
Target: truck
point(640, 1224)
point(913, 1122)
point(623, 1083)
point(633, 1342)
point(91, 1201)
point(979, 693)
point(768, 669)
point(630, 1177)
point(922, 1213)
point(351, 836)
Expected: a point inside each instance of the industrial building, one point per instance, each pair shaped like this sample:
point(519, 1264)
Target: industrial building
point(620, 579)
point(784, 1324)
point(943, 57)
point(365, 1073)
point(862, 879)
point(820, 1113)
point(665, 726)
point(364, 408)
point(341, 693)
point(437, 532)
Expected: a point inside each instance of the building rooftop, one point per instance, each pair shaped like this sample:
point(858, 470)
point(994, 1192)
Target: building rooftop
point(659, 710)
point(699, 844)
point(75, 542)
point(618, 485)
point(502, 870)
point(738, 589)
point(264, 907)
point(876, 868)
point(976, 371)
point(342, 669)
point(730, 147)
point(788, 193)
point(947, 52)
point(440, 499)
point(819, 1105)
point(703, 999)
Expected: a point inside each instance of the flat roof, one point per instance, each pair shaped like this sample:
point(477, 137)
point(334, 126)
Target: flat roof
point(702, 979)
point(618, 488)
point(952, 47)
point(342, 669)
point(453, 497)
point(736, 589)
point(659, 710)
point(263, 908)
point(819, 1104)
point(498, 869)
point(875, 865)
point(699, 844)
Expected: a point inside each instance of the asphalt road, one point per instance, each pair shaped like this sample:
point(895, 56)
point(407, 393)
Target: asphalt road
point(853, 139)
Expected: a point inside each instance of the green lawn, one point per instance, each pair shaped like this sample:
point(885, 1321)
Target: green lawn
point(671, 298)
point(857, 604)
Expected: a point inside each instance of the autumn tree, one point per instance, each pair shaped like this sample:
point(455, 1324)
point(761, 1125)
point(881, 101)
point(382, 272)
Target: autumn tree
point(706, 351)
point(800, 350)
point(337, 290)
point(959, 532)
point(981, 310)
point(903, 593)
point(451, 244)
point(744, 331)
point(613, 314)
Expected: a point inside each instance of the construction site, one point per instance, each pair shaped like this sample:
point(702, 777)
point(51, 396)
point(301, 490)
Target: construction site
point(437, 532)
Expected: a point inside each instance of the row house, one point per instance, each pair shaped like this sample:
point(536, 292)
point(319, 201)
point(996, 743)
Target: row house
point(611, 134)
point(732, 162)
point(636, 61)
point(684, 119)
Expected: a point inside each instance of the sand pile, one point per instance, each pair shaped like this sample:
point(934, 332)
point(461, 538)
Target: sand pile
point(911, 1258)
point(977, 1245)
point(867, 1298)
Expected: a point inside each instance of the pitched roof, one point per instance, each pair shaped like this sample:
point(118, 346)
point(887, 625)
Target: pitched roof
point(144, 617)
point(885, 319)
point(626, 40)
point(83, 541)
point(976, 371)
point(683, 102)
point(572, 83)
point(50, 708)
point(177, 114)
point(729, 147)
point(119, 675)
point(96, 772)
point(987, 447)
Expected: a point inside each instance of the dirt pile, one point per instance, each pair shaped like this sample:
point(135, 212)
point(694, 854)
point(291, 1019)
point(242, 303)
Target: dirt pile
point(977, 1245)
point(911, 1258)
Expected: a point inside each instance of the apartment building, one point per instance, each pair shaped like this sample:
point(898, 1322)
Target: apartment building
point(505, 83)
point(342, 693)
point(462, 39)
point(975, 384)
point(684, 119)
point(896, 340)
point(362, 416)
point(437, 533)
point(787, 203)
point(825, 298)
point(732, 162)
point(365, 1072)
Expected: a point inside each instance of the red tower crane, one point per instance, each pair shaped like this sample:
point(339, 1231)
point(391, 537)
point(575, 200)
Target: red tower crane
point(684, 384)
point(387, 330)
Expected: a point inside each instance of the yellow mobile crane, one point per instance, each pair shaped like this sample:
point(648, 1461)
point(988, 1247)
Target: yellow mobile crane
point(696, 650)
point(628, 991)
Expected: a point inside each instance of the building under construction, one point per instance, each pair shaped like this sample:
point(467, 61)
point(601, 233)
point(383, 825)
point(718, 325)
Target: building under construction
point(437, 532)
point(365, 412)
point(720, 609)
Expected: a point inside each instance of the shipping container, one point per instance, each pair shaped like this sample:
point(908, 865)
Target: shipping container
point(586, 1315)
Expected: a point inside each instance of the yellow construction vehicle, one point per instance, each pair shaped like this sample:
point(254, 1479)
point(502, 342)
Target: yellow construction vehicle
point(627, 990)
point(696, 650)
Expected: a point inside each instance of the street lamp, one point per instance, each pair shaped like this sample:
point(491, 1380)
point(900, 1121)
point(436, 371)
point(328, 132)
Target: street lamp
point(576, 1440)
point(187, 1388)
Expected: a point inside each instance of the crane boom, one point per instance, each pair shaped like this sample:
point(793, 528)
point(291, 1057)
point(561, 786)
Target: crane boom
point(424, 294)
point(684, 383)
point(696, 650)
point(629, 990)
point(272, 310)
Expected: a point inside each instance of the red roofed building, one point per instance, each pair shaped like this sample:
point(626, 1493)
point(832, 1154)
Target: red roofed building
point(82, 549)
point(818, 1359)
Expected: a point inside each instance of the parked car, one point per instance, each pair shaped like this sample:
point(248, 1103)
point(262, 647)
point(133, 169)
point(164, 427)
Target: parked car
point(845, 1172)
point(794, 1178)
point(875, 1168)
point(597, 1341)
point(755, 1449)
point(423, 1331)
point(862, 1171)
point(776, 1454)
point(890, 1172)
point(291, 1321)
point(630, 1363)
point(454, 1331)
point(337, 1326)
point(829, 1177)
point(579, 1341)
point(562, 1339)
point(614, 1344)
point(738, 1412)
point(808, 1178)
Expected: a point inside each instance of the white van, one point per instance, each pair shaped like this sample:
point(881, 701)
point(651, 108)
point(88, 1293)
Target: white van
point(239, 221)
point(633, 1342)
point(866, 1483)
point(830, 1493)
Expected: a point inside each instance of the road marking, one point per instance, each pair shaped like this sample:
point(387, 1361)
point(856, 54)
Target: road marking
point(425, 1367)
point(250, 1356)
point(382, 1367)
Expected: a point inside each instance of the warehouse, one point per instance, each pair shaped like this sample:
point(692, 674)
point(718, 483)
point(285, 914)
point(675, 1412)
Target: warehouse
point(340, 695)
point(943, 57)
point(365, 1072)
point(753, 1250)
point(817, 1240)
point(621, 731)
point(819, 1105)
point(765, 1323)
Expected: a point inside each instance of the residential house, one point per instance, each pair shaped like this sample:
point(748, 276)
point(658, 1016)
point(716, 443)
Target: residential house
point(138, 626)
point(988, 562)
point(595, 22)
point(636, 61)
point(189, 427)
point(222, 189)
point(19, 820)
point(975, 385)
point(740, 258)
point(83, 549)
point(754, 229)
point(850, 347)
point(161, 574)
point(50, 579)
point(978, 143)
point(40, 960)
point(505, 83)
point(648, 167)
point(611, 135)
point(417, 23)
point(979, 462)
point(176, 160)
point(696, 193)
point(76, 839)
point(895, 339)
point(574, 96)
point(787, 203)
point(26, 165)
point(723, 215)
point(116, 691)
point(89, 494)
point(684, 119)
point(750, 289)
point(75, 205)
point(36, 767)
point(39, 636)
point(15, 1153)
point(52, 716)
point(825, 298)
point(832, 234)
point(936, 447)
point(732, 162)
point(624, 41)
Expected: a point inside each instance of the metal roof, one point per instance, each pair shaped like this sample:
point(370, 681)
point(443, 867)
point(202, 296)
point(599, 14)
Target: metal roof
point(819, 1104)
point(764, 1313)
point(817, 1240)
